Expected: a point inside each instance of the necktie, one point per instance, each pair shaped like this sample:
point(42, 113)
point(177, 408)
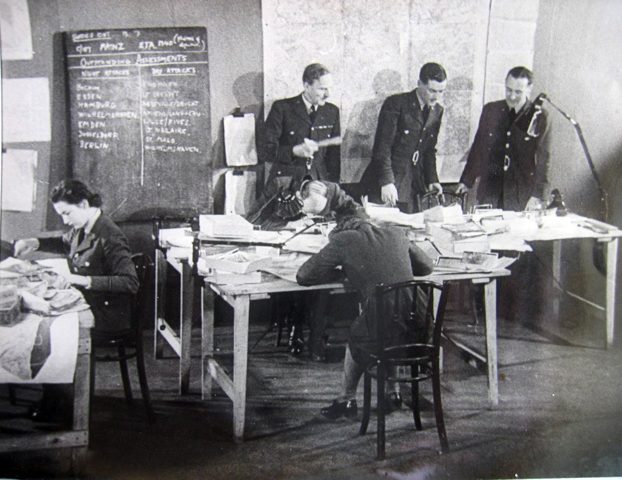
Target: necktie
point(81, 236)
point(426, 113)
point(512, 115)
point(313, 113)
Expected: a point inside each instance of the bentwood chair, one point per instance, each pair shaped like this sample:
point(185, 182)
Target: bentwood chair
point(123, 345)
point(412, 362)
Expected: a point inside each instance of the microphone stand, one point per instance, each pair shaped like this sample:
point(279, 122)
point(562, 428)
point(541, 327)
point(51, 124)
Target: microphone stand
point(598, 253)
point(603, 194)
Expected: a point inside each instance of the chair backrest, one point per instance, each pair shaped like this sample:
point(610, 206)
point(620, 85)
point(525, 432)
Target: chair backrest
point(431, 199)
point(404, 314)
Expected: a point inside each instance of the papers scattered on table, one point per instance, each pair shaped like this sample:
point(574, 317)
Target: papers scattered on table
point(472, 262)
point(286, 266)
point(226, 226)
point(393, 215)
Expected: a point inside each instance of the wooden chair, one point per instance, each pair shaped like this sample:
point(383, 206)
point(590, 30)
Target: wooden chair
point(419, 359)
point(129, 343)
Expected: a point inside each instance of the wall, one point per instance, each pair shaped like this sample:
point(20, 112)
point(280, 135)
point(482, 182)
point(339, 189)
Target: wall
point(375, 48)
point(235, 53)
point(578, 61)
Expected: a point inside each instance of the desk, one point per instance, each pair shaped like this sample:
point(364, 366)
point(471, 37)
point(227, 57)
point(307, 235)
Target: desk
point(557, 229)
point(78, 437)
point(240, 296)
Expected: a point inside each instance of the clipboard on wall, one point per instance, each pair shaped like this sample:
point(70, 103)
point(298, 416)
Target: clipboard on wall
point(240, 149)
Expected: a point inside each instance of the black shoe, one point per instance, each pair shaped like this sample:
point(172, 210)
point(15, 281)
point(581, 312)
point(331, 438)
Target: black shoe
point(296, 341)
point(392, 402)
point(339, 409)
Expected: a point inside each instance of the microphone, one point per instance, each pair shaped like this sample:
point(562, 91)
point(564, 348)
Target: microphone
point(540, 99)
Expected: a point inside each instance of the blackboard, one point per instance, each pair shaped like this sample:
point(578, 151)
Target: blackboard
point(139, 119)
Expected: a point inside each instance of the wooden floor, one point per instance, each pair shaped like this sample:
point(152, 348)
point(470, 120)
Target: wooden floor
point(560, 415)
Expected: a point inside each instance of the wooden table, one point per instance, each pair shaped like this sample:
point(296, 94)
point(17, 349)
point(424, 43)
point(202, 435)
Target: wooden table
point(240, 297)
point(76, 438)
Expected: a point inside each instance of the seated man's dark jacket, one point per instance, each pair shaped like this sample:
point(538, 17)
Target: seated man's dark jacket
point(105, 256)
point(263, 212)
point(368, 255)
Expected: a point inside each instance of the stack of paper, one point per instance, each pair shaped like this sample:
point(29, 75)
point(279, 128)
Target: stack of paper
point(225, 226)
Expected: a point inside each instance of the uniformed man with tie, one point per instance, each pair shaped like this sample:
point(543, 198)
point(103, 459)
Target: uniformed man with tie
point(510, 151)
point(302, 133)
point(403, 163)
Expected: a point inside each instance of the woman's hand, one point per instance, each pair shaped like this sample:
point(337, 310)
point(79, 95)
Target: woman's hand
point(80, 280)
point(24, 246)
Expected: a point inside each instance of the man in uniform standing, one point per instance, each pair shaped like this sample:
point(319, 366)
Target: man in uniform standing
point(403, 163)
point(510, 150)
point(302, 133)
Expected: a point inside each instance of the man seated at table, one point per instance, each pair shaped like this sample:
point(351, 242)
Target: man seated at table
point(366, 255)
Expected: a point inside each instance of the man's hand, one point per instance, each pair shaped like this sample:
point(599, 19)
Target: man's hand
point(461, 188)
point(305, 149)
point(388, 194)
point(534, 203)
point(25, 246)
point(436, 186)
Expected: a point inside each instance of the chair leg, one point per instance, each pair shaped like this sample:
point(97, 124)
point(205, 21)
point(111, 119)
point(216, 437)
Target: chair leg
point(414, 389)
point(380, 433)
point(276, 317)
point(438, 407)
point(142, 378)
point(125, 377)
point(366, 403)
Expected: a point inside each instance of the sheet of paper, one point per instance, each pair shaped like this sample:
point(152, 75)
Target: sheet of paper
point(17, 344)
point(15, 34)
point(59, 265)
point(19, 187)
point(240, 140)
point(239, 191)
point(26, 110)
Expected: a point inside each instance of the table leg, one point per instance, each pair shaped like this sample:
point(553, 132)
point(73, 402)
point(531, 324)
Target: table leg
point(557, 270)
point(490, 305)
point(610, 301)
point(186, 296)
point(158, 308)
point(241, 307)
point(208, 298)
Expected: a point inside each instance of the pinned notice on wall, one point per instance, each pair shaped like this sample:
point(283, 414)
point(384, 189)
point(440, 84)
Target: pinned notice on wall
point(240, 147)
point(19, 188)
point(15, 35)
point(25, 110)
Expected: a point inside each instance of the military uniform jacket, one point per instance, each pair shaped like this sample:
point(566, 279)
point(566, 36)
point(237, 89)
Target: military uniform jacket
point(508, 183)
point(368, 255)
point(104, 255)
point(287, 125)
point(399, 134)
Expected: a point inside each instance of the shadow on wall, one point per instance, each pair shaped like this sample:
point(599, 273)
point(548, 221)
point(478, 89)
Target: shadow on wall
point(248, 92)
point(358, 138)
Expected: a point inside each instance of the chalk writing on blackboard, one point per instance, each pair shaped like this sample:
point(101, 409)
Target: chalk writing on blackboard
point(139, 111)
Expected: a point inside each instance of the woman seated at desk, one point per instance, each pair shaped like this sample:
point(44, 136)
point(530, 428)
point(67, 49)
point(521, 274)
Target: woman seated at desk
point(99, 261)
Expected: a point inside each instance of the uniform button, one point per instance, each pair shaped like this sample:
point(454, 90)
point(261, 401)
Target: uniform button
point(87, 264)
point(106, 302)
point(312, 128)
point(406, 132)
point(507, 145)
point(291, 133)
point(508, 133)
point(420, 140)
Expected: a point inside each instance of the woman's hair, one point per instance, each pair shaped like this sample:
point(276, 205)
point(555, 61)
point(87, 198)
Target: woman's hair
point(73, 192)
